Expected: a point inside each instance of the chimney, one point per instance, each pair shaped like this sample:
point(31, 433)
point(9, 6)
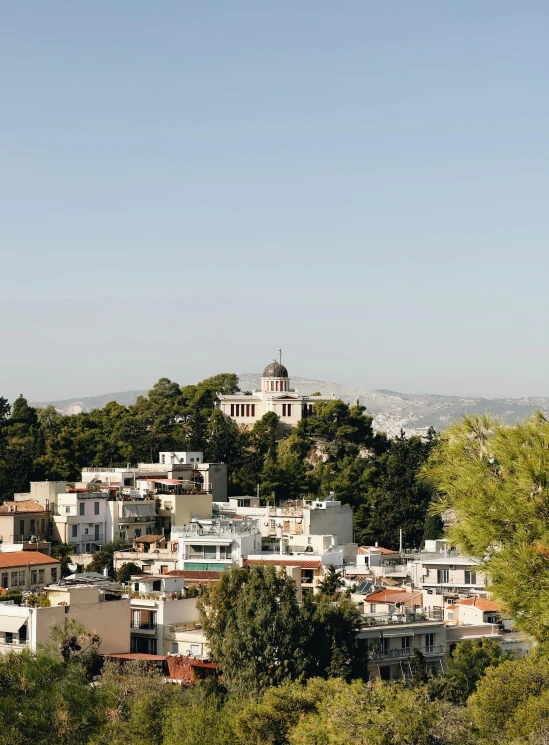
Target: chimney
point(376, 544)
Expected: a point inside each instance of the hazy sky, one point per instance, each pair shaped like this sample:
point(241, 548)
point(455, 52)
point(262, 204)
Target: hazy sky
point(188, 186)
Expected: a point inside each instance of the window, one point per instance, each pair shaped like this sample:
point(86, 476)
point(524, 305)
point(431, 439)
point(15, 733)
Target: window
point(470, 577)
point(450, 615)
point(14, 579)
point(243, 502)
point(33, 527)
point(67, 510)
point(23, 634)
point(9, 637)
point(127, 482)
point(41, 576)
point(82, 508)
point(54, 574)
point(21, 527)
point(74, 529)
point(283, 409)
point(202, 552)
point(443, 576)
point(492, 619)
point(273, 524)
point(4, 580)
point(372, 608)
point(192, 460)
point(174, 647)
point(34, 576)
point(198, 460)
point(225, 552)
point(88, 548)
point(247, 409)
point(405, 643)
point(253, 409)
point(429, 642)
point(96, 508)
point(162, 458)
point(307, 576)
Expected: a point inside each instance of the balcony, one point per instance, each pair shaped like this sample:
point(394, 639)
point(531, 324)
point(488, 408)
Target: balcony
point(143, 625)
point(402, 654)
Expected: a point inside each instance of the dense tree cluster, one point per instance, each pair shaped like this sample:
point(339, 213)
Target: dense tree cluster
point(335, 449)
point(51, 700)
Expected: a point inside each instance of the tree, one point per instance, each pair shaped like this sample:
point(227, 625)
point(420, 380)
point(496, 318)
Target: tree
point(332, 583)
point(395, 496)
point(254, 627)
point(471, 659)
point(126, 571)
point(493, 480)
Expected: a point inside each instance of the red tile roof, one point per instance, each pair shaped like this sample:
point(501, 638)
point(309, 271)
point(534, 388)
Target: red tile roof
point(139, 656)
point(365, 549)
point(206, 575)
point(480, 603)
point(303, 563)
point(25, 505)
point(24, 558)
point(391, 596)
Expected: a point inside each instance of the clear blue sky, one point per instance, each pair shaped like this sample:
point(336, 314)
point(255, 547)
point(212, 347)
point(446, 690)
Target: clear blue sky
point(187, 186)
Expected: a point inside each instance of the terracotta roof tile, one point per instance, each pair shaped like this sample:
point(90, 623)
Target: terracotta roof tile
point(24, 558)
point(480, 603)
point(391, 596)
point(25, 505)
point(365, 549)
point(206, 575)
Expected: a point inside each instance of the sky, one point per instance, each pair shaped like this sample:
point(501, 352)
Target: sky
point(188, 187)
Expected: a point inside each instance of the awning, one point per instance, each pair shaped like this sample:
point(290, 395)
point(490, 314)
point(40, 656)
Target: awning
point(11, 624)
point(397, 633)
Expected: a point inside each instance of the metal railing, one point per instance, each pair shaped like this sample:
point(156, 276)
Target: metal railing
point(395, 654)
point(150, 626)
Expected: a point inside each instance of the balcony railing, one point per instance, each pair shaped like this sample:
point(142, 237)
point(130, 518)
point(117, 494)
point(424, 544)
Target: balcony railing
point(395, 654)
point(14, 642)
point(144, 626)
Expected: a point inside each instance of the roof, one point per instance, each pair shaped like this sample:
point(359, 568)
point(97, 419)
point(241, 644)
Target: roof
point(25, 558)
point(365, 549)
point(25, 505)
point(275, 370)
point(303, 563)
point(149, 539)
point(480, 603)
point(139, 656)
point(155, 480)
point(392, 596)
point(206, 575)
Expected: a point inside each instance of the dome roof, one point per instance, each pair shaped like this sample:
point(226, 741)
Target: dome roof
point(275, 370)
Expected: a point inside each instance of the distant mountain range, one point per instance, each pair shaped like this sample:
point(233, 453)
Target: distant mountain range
point(392, 411)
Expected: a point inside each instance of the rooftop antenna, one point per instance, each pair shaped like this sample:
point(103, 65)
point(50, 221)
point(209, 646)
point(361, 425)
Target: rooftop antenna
point(280, 355)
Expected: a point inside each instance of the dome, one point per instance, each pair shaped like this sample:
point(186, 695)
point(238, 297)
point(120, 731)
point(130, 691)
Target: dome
point(275, 370)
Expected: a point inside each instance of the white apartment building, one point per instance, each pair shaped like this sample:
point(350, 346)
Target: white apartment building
point(216, 544)
point(295, 527)
point(156, 606)
point(82, 519)
point(275, 395)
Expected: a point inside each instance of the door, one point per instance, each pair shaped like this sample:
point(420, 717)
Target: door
point(96, 533)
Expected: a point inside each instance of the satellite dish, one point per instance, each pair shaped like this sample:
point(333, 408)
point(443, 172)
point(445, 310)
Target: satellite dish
point(73, 567)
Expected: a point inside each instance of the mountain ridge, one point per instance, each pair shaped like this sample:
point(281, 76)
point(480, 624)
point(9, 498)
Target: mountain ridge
point(391, 410)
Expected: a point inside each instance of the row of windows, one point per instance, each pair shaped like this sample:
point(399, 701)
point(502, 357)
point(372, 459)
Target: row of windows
point(209, 552)
point(33, 526)
point(286, 409)
point(443, 576)
point(82, 508)
point(242, 410)
point(277, 385)
point(90, 530)
point(18, 578)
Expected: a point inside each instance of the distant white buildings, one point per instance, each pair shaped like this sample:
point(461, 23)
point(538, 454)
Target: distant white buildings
point(275, 394)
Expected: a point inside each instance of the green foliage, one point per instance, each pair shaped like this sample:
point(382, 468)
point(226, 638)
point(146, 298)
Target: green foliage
point(126, 571)
point(494, 479)
point(331, 583)
point(471, 659)
point(261, 636)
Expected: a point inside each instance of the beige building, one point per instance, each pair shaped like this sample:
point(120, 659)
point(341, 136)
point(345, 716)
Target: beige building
point(99, 610)
point(153, 554)
point(22, 519)
point(27, 570)
point(275, 394)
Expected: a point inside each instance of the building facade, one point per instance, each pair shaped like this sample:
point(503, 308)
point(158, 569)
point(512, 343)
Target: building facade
point(275, 394)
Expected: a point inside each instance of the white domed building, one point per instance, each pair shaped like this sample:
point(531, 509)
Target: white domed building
point(275, 395)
